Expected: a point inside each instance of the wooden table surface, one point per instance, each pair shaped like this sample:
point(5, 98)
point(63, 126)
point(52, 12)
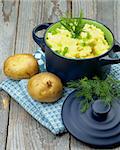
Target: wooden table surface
point(18, 130)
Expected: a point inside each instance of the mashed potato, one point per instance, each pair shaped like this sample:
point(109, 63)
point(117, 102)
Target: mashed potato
point(91, 42)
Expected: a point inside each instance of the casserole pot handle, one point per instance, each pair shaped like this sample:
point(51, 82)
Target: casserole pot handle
point(108, 60)
point(40, 40)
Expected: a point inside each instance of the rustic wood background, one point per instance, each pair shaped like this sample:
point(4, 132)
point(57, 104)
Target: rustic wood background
point(18, 130)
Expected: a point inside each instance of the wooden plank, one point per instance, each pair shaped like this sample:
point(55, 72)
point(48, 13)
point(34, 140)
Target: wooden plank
point(8, 21)
point(89, 10)
point(116, 20)
point(106, 11)
point(88, 7)
point(24, 132)
point(4, 112)
point(27, 134)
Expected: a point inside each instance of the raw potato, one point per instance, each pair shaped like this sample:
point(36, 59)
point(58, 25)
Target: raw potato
point(45, 87)
point(20, 66)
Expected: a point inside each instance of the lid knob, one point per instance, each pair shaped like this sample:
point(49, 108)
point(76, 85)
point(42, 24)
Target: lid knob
point(100, 110)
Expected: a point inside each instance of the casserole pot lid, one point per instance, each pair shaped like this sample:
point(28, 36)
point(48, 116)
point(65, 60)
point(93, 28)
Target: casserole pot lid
point(98, 127)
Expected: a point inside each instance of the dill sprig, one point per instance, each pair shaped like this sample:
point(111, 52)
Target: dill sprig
point(73, 25)
point(106, 90)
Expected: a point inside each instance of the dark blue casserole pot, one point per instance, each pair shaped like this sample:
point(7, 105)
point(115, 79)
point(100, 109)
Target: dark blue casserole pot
point(70, 69)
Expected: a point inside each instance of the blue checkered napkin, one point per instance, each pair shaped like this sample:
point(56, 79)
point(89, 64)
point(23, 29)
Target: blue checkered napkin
point(40, 56)
point(49, 115)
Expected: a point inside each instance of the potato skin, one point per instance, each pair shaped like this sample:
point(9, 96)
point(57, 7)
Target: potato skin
point(45, 87)
point(20, 66)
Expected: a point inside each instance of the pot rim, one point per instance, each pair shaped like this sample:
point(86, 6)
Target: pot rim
point(77, 59)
